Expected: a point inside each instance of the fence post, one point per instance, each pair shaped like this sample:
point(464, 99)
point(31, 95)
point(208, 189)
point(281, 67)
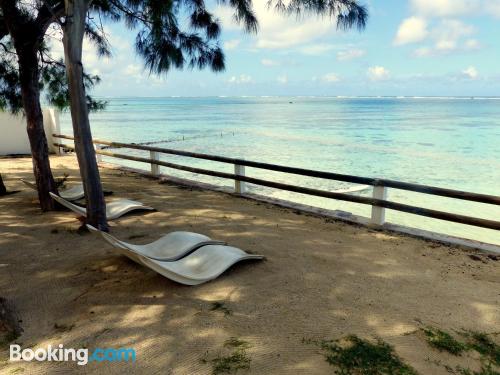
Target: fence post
point(98, 157)
point(239, 186)
point(155, 168)
point(378, 213)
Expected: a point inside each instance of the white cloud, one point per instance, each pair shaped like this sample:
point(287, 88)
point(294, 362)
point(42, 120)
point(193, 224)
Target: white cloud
point(445, 8)
point(449, 33)
point(133, 69)
point(378, 73)
point(350, 54)
point(447, 37)
point(283, 79)
point(316, 49)
point(269, 62)
point(331, 78)
point(241, 79)
point(411, 30)
point(492, 7)
point(472, 44)
point(231, 44)
point(278, 31)
point(470, 73)
point(455, 8)
point(423, 52)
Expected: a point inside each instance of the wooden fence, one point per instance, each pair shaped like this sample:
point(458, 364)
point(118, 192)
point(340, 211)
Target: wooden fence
point(378, 200)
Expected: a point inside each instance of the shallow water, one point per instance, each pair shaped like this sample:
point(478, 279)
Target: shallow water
point(446, 142)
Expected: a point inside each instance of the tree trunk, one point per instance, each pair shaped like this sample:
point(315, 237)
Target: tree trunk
point(29, 76)
point(3, 189)
point(76, 12)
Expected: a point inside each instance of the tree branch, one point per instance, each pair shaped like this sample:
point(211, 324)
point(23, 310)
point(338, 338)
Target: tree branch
point(48, 15)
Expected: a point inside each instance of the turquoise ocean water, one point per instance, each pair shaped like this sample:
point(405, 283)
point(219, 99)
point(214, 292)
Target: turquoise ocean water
point(446, 142)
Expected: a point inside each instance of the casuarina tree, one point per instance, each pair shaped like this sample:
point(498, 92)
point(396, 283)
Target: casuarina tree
point(27, 68)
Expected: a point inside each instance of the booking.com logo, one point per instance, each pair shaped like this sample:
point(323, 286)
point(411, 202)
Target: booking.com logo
point(80, 356)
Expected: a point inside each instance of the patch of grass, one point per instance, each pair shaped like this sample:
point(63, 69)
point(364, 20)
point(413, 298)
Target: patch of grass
point(443, 341)
point(484, 345)
point(485, 370)
point(355, 356)
point(221, 306)
point(237, 360)
point(480, 342)
point(230, 364)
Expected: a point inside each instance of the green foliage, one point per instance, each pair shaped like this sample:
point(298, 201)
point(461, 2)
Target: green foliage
point(443, 341)
point(353, 355)
point(55, 85)
point(480, 342)
point(484, 345)
point(238, 359)
point(348, 13)
point(10, 91)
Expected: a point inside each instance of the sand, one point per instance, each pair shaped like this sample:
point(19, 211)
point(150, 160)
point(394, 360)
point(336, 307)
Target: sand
point(321, 280)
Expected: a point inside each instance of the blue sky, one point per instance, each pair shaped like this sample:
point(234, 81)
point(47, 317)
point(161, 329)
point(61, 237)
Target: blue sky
point(410, 47)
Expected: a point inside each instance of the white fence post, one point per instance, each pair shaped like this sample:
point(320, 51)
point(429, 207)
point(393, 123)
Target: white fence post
point(155, 168)
point(378, 213)
point(239, 186)
point(98, 157)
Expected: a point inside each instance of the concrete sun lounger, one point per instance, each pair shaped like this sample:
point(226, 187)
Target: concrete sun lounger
point(171, 247)
point(72, 193)
point(204, 264)
point(114, 209)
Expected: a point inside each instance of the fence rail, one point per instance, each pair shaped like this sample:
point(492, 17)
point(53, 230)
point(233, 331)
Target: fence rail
point(378, 201)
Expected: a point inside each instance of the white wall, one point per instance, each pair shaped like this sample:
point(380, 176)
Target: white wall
point(13, 136)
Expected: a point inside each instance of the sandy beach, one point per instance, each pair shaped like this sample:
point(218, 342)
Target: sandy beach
point(322, 280)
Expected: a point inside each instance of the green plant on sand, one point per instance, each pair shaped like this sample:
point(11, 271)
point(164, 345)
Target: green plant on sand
point(443, 341)
point(237, 360)
point(355, 356)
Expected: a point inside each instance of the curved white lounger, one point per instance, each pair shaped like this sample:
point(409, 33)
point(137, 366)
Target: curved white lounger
point(114, 209)
point(169, 248)
point(72, 193)
point(204, 264)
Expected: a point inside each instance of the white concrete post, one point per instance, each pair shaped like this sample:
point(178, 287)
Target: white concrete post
point(378, 213)
point(98, 157)
point(239, 186)
point(155, 168)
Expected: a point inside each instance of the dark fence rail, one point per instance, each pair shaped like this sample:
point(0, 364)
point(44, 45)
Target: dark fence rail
point(378, 201)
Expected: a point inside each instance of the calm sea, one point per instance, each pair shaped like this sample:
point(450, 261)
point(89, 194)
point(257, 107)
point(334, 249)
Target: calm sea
point(446, 142)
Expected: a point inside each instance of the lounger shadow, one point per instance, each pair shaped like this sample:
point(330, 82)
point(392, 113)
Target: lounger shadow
point(114, 209)
point(73, 193)
point(169, 248)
